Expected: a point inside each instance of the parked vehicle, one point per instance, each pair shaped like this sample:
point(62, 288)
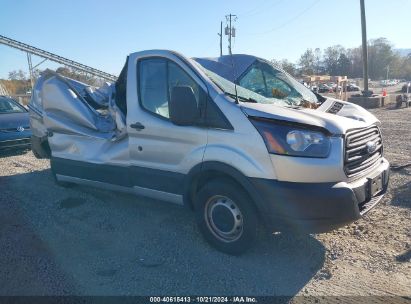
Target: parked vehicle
point(403, 98)
point(14, 125)
point(324, 89)
point(406, 87)
point(353, 88)
point(182, 130)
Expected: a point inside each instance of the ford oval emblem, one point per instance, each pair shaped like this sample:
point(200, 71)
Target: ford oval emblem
point(20, 128)
point(371, 147)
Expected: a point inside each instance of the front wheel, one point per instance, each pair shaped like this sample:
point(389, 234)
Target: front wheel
point(226, 216)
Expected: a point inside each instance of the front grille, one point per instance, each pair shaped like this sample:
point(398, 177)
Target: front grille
point(14, 143)
point(357, 157)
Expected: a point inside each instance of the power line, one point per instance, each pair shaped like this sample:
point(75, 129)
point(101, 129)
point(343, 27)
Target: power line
point(261, 9)
point(288, 21)
point(252, 11)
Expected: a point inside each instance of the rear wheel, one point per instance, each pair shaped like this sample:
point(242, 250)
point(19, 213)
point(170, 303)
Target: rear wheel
point(226, 216)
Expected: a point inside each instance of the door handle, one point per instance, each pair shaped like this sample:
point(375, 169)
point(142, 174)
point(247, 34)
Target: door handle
point(137, 126)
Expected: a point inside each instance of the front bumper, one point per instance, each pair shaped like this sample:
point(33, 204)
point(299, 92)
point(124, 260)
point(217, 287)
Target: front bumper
point(319, 207)
point(15, 140)
point(15, 144)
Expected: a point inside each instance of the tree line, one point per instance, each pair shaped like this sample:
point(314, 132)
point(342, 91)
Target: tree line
point(339, 61)
point(334, 60)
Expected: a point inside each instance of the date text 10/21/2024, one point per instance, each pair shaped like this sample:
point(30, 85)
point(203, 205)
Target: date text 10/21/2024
point(206, 299)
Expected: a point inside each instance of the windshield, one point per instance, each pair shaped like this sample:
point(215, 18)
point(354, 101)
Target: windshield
point(262, 78)
point(243, 94)
point(264, 83)
point(8, 105)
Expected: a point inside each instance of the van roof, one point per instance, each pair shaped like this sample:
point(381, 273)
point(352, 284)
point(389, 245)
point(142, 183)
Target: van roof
point(230, 67)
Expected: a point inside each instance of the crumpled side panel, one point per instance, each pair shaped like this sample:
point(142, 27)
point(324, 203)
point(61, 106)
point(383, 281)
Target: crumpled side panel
point(80, 122)
point(100, 96)
point(86, 149)
point(62, 106)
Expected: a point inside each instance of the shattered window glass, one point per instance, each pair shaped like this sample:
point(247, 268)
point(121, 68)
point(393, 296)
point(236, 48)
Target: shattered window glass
point(254, 81)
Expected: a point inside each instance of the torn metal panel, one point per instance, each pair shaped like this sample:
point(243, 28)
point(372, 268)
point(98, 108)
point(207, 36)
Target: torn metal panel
point(64, 107)
point(80, 121)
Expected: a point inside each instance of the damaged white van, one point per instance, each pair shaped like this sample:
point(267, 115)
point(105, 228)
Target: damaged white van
point(239, 141)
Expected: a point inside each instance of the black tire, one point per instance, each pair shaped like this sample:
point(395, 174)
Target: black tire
point(228, 203)
point(40, 147)
point(36, 154)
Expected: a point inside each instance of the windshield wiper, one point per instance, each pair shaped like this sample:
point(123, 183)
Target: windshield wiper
point(242, 98)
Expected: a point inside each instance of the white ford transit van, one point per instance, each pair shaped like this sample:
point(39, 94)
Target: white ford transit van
point(235, 139)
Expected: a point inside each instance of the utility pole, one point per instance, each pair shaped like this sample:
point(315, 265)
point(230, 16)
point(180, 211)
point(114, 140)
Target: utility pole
point(230, 30)
point(364, 47)
point(388, 70)
point(221, 38)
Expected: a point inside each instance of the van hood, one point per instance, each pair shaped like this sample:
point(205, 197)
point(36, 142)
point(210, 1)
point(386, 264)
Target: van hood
point(334, 115)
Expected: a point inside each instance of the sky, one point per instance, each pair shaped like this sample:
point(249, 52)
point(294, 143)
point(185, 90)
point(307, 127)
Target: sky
point(102, 33)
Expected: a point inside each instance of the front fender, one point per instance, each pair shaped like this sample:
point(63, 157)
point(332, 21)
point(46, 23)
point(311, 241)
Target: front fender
point(210, 168)
point(251, 165)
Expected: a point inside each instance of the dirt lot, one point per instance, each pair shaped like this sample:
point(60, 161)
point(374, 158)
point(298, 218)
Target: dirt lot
point(392, 91)
point(83, 241)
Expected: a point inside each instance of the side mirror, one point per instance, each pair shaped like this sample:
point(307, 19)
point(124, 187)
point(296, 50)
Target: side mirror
point(183, 108)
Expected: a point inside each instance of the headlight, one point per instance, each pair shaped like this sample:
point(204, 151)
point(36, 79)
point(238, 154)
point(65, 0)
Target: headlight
point(287, 139)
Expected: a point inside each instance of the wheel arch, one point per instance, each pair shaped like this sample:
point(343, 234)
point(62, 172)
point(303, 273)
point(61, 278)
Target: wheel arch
point(201, 173)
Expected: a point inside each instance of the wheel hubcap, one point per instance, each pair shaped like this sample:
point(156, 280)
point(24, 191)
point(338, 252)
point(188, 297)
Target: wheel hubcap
point(224, 218)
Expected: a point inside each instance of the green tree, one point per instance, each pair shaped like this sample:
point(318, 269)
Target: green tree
point(344, 65)
point(318, 64)
point(17, 75)
point(336, 60)
point(307, 62)
point(289, 67)
point(331, 56)
point(80, 76)
point(355, 56)
point(380, 56)
point(286, 65)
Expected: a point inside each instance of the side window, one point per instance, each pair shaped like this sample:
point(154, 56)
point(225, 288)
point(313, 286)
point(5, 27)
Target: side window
point(157, 78)
point(177, 77)
point(153, 86)
point(254, 81)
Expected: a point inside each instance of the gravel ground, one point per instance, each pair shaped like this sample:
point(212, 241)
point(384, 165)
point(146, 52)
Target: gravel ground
point(84, 241)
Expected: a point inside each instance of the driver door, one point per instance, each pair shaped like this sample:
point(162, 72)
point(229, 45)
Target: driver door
point(162, 153)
